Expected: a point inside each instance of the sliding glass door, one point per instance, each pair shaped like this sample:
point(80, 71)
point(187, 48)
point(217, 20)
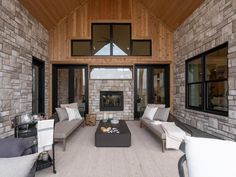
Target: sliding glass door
point(70, 84)
point(151, 86)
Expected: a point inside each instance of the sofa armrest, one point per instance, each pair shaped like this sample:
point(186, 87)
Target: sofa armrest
point(180, 165)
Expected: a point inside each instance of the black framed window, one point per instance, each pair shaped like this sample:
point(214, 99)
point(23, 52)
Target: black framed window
point(141, 47)
point(207, 81)
point(111, 39)
point(80, 47)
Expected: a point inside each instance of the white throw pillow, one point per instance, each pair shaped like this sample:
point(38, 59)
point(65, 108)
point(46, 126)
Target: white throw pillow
point(149, 112)
point(210, 157)
point(71, 105)
point(162, 114)
point(73, 113)
point(17, 166)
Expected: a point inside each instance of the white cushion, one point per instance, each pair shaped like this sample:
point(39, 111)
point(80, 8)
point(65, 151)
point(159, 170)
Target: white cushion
point(210, 157)
point(73, 113)
point(17, 166)
point(71, 105)
point(162, 114)
point(149, 112)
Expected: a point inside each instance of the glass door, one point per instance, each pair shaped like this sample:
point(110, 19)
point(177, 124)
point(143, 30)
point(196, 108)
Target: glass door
point(151, 86)
point(70, 84)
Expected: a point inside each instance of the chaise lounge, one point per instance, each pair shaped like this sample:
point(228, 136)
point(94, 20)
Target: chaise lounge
point(63, 129)
point(158, 130)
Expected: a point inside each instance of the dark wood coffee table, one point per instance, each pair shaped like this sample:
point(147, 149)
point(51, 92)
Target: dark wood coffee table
point(122, 139)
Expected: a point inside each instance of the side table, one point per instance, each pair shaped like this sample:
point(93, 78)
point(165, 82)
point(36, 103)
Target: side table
point(90, 119)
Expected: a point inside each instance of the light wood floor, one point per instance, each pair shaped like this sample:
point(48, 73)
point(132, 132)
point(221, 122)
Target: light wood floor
point(143, 159)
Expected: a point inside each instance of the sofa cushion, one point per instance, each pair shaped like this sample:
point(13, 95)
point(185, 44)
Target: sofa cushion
point(65, 128)
point(17, 166)
point(62, 114)
point(14, 147)
point(162, 114)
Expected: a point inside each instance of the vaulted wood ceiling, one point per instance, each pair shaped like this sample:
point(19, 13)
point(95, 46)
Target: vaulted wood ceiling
point(170, 12)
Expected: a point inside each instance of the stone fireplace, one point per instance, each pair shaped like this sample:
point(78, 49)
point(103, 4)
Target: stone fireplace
point(106, 87)
point(111, 101)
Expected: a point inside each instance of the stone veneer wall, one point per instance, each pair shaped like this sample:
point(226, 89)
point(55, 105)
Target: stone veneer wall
point(21, 37)
point(127, 86)
point(212, 24)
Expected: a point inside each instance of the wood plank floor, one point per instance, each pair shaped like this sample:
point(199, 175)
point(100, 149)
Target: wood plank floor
point(143, 159)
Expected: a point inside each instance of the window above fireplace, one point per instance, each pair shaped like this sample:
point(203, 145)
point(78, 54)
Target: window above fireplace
point(111, 73)
point(111, 39)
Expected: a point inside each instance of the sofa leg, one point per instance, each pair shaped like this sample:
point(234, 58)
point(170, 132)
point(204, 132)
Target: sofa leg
point(64, 145)
point(141, 125)
point(163, 145)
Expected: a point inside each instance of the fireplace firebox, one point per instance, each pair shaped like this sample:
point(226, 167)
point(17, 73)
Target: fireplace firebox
point(111, 101)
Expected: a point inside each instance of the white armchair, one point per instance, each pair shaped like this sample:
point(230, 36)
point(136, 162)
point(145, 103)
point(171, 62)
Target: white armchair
point(208, 158)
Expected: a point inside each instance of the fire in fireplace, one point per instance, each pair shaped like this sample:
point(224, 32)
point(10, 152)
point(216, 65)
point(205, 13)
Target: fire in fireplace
point(111, 101)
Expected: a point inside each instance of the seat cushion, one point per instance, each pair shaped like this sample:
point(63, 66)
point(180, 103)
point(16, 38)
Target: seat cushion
point(156, 129)
point(65, 128)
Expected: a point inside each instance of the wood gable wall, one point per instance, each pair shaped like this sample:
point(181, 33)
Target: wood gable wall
point(77, 25)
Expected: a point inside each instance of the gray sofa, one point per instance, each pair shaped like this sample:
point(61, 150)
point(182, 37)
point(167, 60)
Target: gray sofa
point(158, 130)
point(63, 129)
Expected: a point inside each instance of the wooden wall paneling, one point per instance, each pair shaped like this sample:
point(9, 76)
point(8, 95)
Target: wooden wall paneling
point(77, 25)
point(110, 10)
point(139, 21)
point(82, 22)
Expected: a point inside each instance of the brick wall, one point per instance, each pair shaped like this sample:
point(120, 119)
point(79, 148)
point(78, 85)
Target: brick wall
point(127, 86)
point(21, 37)
point(212, 24)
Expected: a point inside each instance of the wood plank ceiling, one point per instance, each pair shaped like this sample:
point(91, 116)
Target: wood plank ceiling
point(170, 12)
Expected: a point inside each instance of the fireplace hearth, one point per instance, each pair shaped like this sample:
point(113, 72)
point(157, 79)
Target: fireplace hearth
point(111, 101)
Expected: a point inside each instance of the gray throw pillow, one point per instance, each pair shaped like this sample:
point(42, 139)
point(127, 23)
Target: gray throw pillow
point(17, 166)
point(62, 114)
point(162, 114)
point(14, 147)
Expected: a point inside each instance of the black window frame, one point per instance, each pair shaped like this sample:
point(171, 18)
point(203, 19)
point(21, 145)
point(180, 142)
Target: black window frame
point(131, 41)
point(141, 40)
point(111, 37)
point(81, 40)
point(204, 82)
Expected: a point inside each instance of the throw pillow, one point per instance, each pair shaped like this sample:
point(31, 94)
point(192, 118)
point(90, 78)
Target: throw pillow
point(17, 166)
point(149, 112)
point(73, 113)
point(62, 114)
point(210, 157)
point(71, 105)
point(14, 147)
point(162, 114)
